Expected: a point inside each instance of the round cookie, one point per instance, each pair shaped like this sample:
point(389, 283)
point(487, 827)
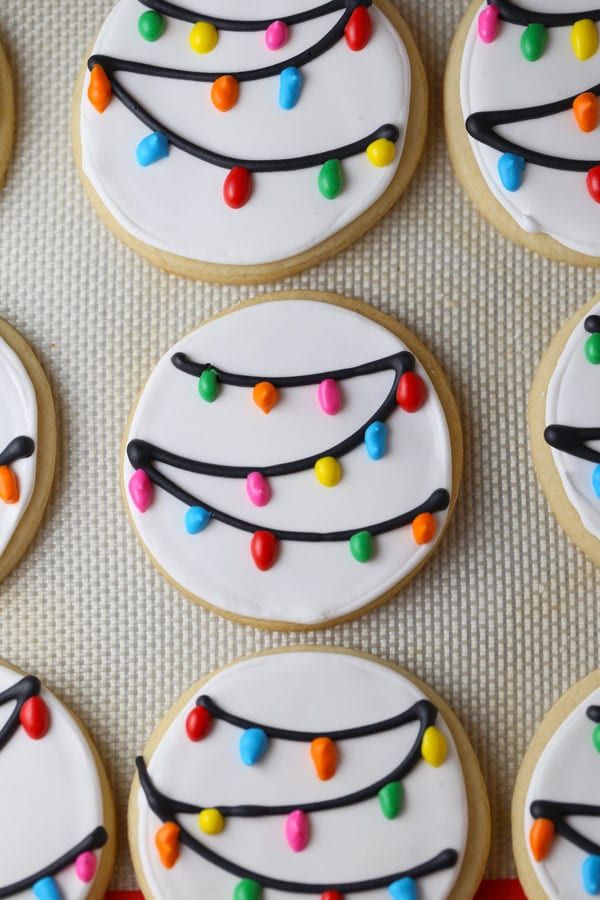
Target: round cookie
point(564, 432)
point(556, 803)
point(7, 114)
point(320, 478)
point(354, 779)
point(27, 446)
point(252, 150)
point(57, 817)
point(521, 108)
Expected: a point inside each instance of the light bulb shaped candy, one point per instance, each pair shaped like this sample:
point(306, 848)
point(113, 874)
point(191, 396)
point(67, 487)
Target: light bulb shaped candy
point(329, 396)
point(141, 490)
point(253, 746)
point(258, 489)
point(85, 866)
point(434, 747)
point(224, 92)
point(325, 757)
point(203, 37)
point(276, 35)
point(297, 831)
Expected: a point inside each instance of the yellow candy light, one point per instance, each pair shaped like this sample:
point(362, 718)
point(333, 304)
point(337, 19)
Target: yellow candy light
point(434, 747)
point(584, 39)
point(211, 821)
point(203, 37)
point(381, 152)
point(328, 471)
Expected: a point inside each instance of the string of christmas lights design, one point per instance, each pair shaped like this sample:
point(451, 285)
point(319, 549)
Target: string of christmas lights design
point(407, 391)
point(575, 440)
point(31, 713)
point(19, 448)
point(354, 24)
point(550, 820)
point(430, 745)
point(584, 106)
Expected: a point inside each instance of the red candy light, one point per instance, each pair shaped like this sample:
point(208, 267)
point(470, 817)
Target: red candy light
point(411, 392)
point(35, 718)
point(332, 895)
point(198, 723)
point(263, 547)
point(358, 29)
point(237, 187)
point(593, 183)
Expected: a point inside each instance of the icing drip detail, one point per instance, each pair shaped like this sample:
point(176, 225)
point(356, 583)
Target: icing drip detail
point(167, 809)
point(22, 693)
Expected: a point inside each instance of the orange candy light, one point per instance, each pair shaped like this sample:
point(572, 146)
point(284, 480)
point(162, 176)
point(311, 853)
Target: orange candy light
point(540, 838)
point(424, 528)
point(325, 757)
point(586, 108)
point(167, 844)
point(9, 487)
point(100, 89)
point(225, 92)
point(265, 395)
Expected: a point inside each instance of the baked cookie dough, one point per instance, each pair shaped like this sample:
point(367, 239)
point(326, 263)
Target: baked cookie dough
point(7, 114)
point(227, 144)
point(522, 117)
point(57, 818)
point(309, 772)
point(565, 432)
point(556, 803)
point(294, 461)
point(27, 446)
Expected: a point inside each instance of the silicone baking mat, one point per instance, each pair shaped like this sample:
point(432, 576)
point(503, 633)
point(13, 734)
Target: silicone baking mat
point(503, 619)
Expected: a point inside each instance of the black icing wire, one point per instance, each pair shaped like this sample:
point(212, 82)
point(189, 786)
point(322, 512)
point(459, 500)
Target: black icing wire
point(167, 809)
point(517, 15)
point(29, 686)
point(173, 11)
point(19, 448)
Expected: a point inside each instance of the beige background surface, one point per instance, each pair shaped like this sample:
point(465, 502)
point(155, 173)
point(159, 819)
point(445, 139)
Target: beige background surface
point(502, 620)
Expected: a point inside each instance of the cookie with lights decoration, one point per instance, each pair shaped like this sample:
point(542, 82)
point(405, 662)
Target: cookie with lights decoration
point(556, 804)
point(565, 430)
point(522, 116)
point(57, 817)
point(309, 772)
point(294, 461)
point(7, 114)
point(27, 446)
point(239, 145)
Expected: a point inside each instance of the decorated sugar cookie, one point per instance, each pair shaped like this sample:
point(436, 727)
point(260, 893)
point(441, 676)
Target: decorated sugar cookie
point(27, 446)
point(522, 112)
point(56, 815)
point(242, 144)
point(314, 773)
point(7, 114)
point(566, 431)
point(556, 805)
point(293, 461)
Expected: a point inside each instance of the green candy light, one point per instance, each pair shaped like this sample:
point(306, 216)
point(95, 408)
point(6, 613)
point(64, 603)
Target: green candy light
point(391, 799)
point(331, 179)
point(596, 737)
point(592, 349)
point(208, 385)
point(247, 889)
point(361, 546)
point(151, 25)
point(533, 41)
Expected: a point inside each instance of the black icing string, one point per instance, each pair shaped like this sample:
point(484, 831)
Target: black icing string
point(19, 693)
point(481, 126)
point(29, 686)
point(572, 440)
point(141, 453)
point(172, 11)
point(167, 809)
point(19, 448)
point(517, 15)
point(422, 712)
point(592, 324)
point(93, 841)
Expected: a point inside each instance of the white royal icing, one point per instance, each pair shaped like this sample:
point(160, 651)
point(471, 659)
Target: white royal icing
point(51, 797)
point(567, 771)
point(177, 205)
point(497, 76)
point(305, 691)
point(572, 400)
point(310, 582)
point(18, 416)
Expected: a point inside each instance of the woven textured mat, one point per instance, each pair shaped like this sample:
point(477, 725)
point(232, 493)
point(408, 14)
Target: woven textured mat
point(501, 621)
